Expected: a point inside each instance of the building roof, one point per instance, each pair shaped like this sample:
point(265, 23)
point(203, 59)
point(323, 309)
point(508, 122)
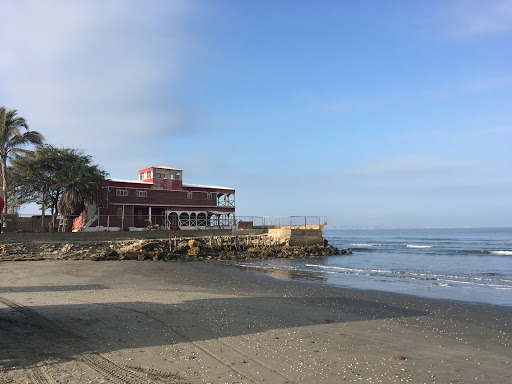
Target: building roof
point(207, 186)
point(184, 185)
point(172, 169)
point(130, 181)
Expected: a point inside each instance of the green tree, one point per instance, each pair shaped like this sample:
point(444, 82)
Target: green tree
point(11, 140)
point(44, 175)
point(82, 183)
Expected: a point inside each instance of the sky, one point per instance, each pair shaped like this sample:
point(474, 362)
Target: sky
point(372, 113)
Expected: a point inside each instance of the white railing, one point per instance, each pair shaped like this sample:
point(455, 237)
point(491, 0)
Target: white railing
point(95, 216)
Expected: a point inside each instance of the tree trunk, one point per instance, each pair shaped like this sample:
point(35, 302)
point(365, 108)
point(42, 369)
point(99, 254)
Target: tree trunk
point(68, 224)
point(3, 165)
point(43, 206)
point(52, 224)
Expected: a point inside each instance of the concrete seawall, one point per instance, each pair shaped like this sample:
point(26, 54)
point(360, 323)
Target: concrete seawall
point(292, 235)
point(113, 236)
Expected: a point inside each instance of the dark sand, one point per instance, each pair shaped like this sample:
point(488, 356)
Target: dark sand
point(168, 322)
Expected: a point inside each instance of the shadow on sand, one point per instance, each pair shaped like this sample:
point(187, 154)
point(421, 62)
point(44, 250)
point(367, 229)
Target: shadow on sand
point(29, 335)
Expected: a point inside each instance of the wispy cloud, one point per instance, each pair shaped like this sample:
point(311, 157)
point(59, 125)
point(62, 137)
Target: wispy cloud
point(99, 74)
point(419, 135)
point(410, 165)
point(499, 130)
point(468, 18)
point(489, 84)
point(344, 106)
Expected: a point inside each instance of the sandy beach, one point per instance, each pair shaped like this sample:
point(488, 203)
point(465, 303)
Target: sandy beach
point(176, 322)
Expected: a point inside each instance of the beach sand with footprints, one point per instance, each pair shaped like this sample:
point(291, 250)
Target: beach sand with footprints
point(64, 321)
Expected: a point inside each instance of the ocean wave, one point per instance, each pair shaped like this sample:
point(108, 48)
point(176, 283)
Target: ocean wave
point(419, 246)
point(412, 275)
point(367, 245)
point(503, 253)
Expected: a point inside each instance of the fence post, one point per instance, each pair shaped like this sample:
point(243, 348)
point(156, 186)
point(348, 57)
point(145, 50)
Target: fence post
point(305, 229)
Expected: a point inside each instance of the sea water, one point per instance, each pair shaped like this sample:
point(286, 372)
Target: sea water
point(470, 264)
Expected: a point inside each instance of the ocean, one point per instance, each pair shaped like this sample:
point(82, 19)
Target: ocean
point(469, 264)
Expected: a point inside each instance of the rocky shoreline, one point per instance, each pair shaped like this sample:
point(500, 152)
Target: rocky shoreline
point(184, 249)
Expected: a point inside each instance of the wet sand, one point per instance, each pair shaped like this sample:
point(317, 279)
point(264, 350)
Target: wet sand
point(176, 322)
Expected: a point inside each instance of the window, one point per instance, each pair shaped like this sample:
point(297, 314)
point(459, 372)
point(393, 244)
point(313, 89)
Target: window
point(209, 196)
point(119, 212)
point(141, 193)
point(139, 214)
point(149, 174)
point(121, 192)
point(142, 176)
point(189, 195)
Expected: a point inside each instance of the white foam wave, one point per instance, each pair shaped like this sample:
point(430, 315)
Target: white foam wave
point(413, 275)
point(506, 253)
point(350, 270)
point(420, 246)
point(367, 245)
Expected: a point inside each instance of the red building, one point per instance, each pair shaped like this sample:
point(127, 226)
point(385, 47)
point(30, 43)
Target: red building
point(160, 199)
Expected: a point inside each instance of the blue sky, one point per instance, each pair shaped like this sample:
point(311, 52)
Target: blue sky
point(395, 113)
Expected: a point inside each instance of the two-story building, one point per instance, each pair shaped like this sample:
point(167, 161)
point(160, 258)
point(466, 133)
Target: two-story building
point(160, 199)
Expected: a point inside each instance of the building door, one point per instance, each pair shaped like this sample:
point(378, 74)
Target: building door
point(173, 219)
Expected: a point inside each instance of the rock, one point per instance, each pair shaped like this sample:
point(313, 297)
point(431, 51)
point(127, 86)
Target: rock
point(181, 246)
point(194, 251)
point(108, 253)
point(192, 243)
point(130, 252)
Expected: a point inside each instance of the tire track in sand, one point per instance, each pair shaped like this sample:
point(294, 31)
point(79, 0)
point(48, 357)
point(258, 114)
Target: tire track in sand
point(115, 373)
point(227, 362)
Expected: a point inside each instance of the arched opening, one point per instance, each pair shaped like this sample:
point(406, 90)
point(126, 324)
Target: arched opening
point(193, 219)
point(201, 220)
point(220, 199)
point(184, 220)
point(230, 200)
point(173, 220)
point(214, 220)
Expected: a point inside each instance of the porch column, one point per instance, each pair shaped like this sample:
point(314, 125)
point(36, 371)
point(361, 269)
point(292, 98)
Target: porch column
point(149, 222)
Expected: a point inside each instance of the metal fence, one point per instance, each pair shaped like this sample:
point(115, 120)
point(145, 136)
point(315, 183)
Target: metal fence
point(309, 222)
point(32, 223)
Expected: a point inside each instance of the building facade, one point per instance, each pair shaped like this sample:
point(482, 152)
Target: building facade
point(159, 199)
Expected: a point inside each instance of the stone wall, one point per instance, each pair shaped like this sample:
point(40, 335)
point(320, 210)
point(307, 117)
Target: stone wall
point(197, 248)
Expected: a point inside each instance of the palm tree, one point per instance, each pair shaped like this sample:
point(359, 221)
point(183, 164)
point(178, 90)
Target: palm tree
point(11, 139)
point(82, 182)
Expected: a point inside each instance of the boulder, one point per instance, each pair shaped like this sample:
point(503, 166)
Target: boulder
point(192, 243)
point(194, 251)
point(130, 252)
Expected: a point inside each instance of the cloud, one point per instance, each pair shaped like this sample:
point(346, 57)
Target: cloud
point(467, 18)
point(490, 84)
point(499, 130)
point(411, 165)
point(102, 75)
point(344, 106)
